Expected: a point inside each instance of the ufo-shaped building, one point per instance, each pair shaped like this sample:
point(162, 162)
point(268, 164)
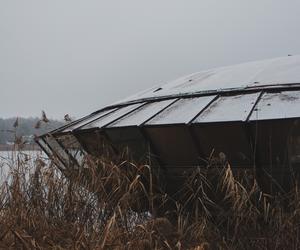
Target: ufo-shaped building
point(247, 113)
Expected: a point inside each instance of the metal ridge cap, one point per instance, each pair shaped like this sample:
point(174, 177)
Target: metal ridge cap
point(275, 86)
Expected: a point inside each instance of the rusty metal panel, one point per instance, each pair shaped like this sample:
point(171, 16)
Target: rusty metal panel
point(229, 140)
point(280, 105)
point(228, 108)
point(182, 111)
point(142, 114)
point(129, 141)
point(58, 151)
point(51, 152)
point(277, 142)
point(95, 142)
point(173, 145)
point(44, 146)
point(111, 117)
point(72, 147)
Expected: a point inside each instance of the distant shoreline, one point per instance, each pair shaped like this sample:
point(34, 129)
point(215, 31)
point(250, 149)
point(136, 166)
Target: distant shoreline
point(26, 147)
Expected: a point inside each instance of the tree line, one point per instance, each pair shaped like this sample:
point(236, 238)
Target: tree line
point(11, 128)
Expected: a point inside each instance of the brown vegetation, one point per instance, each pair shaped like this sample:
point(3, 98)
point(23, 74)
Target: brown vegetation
point(94, 208)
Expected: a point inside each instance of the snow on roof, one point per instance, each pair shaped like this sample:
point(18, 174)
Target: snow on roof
point(219, 106)
point(229, 108)
point(283, 70)
point(141, 114)
point(87, 120)
point(281, 105)
point(182, 111)
point(113, 116)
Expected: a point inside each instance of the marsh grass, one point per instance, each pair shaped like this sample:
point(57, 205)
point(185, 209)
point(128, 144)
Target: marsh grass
point(111, 205)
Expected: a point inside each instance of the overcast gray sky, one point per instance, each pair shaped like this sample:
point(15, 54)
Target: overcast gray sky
point(69, 56)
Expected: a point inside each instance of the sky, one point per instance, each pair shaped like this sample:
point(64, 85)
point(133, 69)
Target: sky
point(76, 56)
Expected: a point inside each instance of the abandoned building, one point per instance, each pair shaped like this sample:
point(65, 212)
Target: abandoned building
point(246, 114)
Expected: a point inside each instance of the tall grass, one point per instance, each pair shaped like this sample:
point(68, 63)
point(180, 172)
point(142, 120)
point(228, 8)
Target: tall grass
point(114, 205)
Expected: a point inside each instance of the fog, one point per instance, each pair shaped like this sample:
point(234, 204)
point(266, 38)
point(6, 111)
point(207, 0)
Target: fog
point(68, 56)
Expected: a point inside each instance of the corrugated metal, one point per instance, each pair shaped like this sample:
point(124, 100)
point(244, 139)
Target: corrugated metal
point(142, 114)
point(277, 106)
point(182, 111)
point(87, 120)
point(105, 120)
point(228, 108)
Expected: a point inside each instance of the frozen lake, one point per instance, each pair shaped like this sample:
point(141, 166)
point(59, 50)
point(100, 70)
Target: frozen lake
point(11, 159)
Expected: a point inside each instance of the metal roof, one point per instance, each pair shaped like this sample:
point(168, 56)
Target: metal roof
point(113, 116)
point(280, 105)
point(205, 109)
point(181, 122)
point(182, 111)
point(283, 70)
point(229, 108)
point(87, 120)
point(142, 114)
point(273, 92)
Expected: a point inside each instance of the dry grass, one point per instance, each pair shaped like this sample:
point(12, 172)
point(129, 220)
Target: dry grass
point(93, 208)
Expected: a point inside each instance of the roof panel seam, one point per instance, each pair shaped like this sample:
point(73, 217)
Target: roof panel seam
point(120, 117)
point(167, 106)
point(202, 110)
point(254, 105)
point(85, 124)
